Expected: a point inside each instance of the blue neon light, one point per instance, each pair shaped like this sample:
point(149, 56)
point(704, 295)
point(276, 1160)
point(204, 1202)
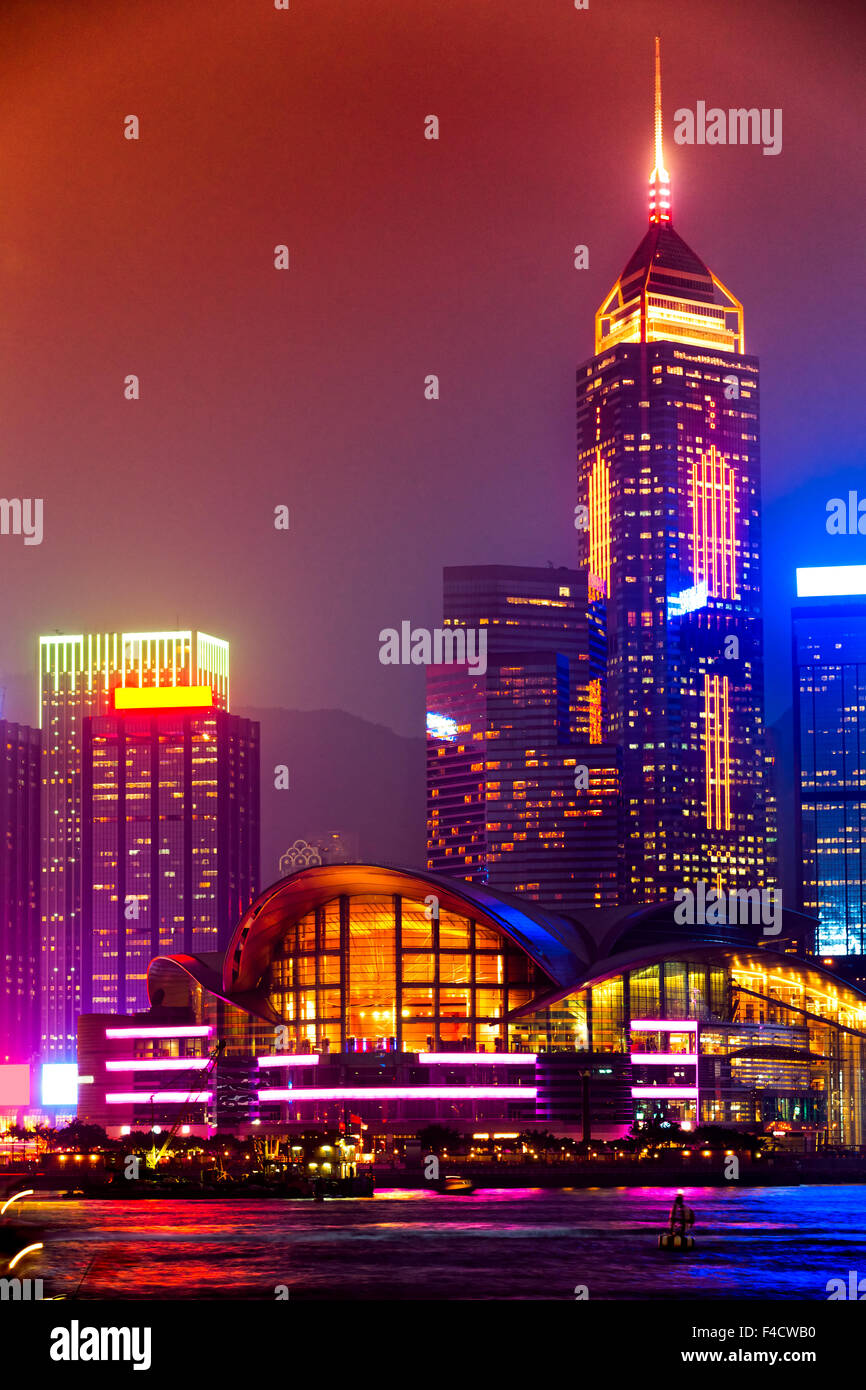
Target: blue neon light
point(689, 600)
point(440, 726)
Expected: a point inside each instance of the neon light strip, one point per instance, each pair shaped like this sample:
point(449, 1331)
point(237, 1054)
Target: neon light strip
point(599, 520)
point(735, 593)
point(133, 697)
point(829, 581)
point(727, 742)
point(159, 1064)
point(317, 1093)
point(289, 1059)
point(664, 1092)
point(159, 1097)
point(180, 1031)
point(595, 729)
point(714, 523)
point(717, 747)
point(474, 1059)
point(649, 1059)
point(717, 751)
point(707, 759)
point(664, 1025)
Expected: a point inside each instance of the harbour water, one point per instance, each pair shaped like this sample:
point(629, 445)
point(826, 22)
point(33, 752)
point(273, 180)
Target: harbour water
point(772, 1242)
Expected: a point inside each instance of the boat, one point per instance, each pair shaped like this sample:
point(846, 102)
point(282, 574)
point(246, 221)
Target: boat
point(455, 1184)
point(679, 1243)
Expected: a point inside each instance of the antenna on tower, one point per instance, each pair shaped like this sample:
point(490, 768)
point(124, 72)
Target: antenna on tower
point(660, 179)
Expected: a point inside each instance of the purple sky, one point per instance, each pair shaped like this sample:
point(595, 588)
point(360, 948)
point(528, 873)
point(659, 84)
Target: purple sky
point(407, 257)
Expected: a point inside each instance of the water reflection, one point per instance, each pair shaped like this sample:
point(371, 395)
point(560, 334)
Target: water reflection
point(780, 1243)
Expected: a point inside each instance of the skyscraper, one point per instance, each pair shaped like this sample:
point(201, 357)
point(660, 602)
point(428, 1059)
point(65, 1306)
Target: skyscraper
point(521, 792)
point(170, 836)
point(669, 477)
point(77, 675)
point(829, 653)
point(20, 759)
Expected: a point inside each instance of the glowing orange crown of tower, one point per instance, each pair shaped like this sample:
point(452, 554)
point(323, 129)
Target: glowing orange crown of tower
point(666, 292)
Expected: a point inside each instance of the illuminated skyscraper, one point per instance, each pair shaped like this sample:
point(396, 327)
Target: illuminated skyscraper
point(521, 792)
point(20, 767)
point(829, 644)
point(669, 475)
point(77, 675)
point(170, 836)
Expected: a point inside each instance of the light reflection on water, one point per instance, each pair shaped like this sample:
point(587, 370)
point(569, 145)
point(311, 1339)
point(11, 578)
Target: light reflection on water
point(528, 1243)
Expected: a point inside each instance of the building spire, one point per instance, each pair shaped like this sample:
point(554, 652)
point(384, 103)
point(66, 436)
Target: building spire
point(660, 179)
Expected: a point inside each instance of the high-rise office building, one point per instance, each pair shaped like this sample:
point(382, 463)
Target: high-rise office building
point(20, 769)
point(170, 836)
point(530, 609)
point(669, 476)
point(77, 675)
point(521, 792)
point(829, 653)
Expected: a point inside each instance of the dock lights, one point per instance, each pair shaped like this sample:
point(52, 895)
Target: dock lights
point(27, 1192)
point(28, 1250)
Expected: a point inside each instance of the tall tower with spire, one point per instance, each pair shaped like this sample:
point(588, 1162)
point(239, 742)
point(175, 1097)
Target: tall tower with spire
point(669, 471)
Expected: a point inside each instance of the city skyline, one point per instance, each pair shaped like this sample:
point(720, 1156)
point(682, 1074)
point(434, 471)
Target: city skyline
point(719, 779)
point(748, 214)
point(488, 378)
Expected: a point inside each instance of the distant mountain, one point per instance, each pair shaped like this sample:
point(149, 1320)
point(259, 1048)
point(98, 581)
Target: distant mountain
point(345, 774)
point(20, 698)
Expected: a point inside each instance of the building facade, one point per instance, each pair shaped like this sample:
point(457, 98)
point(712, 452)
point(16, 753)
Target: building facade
point(411, 998)
point(77, 676)
point(170, 837)
point(522, 794)
point(668, 476)
point(20, 776)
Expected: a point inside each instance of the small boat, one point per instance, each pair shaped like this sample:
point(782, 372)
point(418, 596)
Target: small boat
point(353, 1185)
point(455, 1185)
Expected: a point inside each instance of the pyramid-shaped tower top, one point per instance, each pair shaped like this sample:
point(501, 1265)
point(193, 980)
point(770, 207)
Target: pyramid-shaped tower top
point(666, 292)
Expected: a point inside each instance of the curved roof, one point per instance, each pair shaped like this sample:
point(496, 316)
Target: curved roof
point(698, 950)
point(202, 971)
point(554, 943)
point(571, 953)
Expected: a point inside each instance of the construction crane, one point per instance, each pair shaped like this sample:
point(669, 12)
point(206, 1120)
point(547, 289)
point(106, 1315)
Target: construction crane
point(155, 1156)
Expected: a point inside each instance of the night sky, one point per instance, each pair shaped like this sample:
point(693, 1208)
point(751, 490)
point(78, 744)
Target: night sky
point(408, 257)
